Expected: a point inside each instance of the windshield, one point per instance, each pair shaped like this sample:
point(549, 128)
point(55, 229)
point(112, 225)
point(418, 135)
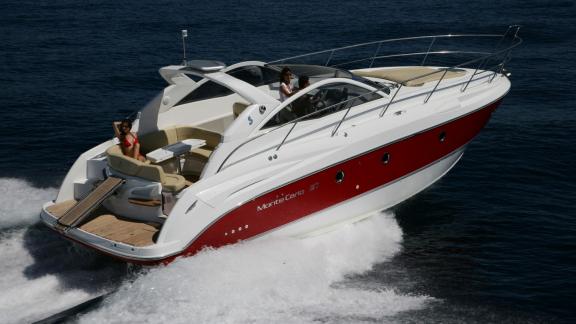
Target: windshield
point(323, 101)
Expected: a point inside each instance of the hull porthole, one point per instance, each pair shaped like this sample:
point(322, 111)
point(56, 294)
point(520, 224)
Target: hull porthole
point(339, 176)
point(442, 137)
point(386, 158)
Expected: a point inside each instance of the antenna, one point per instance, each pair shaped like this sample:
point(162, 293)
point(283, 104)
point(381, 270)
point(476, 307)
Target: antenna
point(184, 36)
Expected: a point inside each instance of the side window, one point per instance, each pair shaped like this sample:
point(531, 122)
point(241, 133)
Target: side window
point(248, 74)
point(323, 101)
point(206, 91)
point(255, 75)
point(283, 116)
point(269, 75)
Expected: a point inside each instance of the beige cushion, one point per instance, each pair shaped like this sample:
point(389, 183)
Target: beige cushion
point(238, 108)
point(403, 74)
point(118, 161)
point(195, 160)
point(173, 182)
point(151, 141)
point(200, 153)
point(132, 167)
point(161, 138)
point(151, 172)
point(212, 138)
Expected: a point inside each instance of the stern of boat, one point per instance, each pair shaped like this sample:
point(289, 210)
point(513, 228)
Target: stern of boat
point(118, 214)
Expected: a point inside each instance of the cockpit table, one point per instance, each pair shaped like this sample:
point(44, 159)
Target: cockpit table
point(174, 150)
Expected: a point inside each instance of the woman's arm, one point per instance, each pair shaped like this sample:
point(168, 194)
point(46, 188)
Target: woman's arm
point(116, 127)
point(137, 154)
point(285, 89)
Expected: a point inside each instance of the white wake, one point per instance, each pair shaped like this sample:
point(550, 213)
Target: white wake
point(269, 281)
point(41, 273)
point(20, 203)
point(262, 281)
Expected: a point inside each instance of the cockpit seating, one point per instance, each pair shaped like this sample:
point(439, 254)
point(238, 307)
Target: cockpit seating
point(132, 167)
point(196, 159)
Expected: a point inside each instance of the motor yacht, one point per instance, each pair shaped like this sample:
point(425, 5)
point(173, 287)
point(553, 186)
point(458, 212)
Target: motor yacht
point(228, 161)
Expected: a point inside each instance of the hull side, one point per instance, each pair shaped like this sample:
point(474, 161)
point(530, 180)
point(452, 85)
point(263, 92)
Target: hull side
point(362, 175)
point(365, 205)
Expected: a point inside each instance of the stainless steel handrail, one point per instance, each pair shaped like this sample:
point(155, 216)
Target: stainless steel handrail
point(334, 50)
point(293, 122)
point(409, 54)
point(515, 41)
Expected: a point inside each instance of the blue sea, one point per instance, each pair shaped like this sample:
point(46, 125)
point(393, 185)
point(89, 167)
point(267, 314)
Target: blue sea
point(492, 242)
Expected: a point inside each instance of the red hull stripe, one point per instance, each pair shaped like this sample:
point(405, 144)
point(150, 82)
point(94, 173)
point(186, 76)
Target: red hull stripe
point(361, 174)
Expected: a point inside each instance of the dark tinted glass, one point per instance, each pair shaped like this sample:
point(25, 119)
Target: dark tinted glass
point(206, 91)
point(323, 101)
point(254, 75)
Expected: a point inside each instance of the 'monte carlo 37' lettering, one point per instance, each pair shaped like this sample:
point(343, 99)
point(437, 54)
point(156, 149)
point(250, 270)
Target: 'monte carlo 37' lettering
point(280, 200)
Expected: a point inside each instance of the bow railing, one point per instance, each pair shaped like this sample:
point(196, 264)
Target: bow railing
point(490, 62)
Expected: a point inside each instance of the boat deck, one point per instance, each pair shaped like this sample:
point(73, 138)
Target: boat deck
point(112, 227)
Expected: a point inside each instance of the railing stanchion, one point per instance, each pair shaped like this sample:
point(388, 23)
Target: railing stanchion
point(502, 38)
point(329, 58)
point(501, 65)
point(285, 137)
point(375, 54)
point(436, 86)
point(341, 121)
point(500, 68)
point(390, 102)
point(473, 75)
point(428, 51)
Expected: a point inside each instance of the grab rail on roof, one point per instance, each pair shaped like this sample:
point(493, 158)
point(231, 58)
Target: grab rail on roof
point(480, 68)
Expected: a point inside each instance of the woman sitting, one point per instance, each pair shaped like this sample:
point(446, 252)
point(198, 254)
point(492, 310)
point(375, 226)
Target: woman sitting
point(128, 140)
point(285, 88)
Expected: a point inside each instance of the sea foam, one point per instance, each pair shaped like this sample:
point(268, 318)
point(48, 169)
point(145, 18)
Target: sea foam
point(42, 273)
point(20, 203)
point(269, 281)
point(274, 280)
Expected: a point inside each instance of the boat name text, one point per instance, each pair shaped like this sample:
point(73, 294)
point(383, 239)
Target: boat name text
point(280, 200)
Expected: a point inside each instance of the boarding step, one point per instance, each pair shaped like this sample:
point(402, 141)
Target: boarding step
point(85, 206)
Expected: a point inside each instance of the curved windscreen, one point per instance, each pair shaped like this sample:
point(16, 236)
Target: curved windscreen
point(323, 101)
